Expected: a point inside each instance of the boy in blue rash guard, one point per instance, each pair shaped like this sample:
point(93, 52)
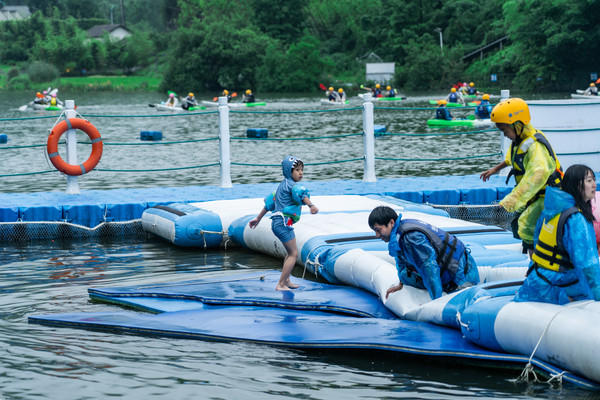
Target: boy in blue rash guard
point(426, 256)
point(442, 112)
point(285, 204)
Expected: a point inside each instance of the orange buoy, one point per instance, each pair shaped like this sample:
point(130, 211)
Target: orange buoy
point(52, 146)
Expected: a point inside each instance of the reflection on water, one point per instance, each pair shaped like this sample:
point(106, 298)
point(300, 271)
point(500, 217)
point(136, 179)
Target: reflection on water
point(47, 277)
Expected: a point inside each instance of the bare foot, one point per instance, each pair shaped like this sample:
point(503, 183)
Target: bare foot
point(281, 287)
point(291, 285)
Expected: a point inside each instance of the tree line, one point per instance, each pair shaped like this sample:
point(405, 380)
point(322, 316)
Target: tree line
point(293, 45)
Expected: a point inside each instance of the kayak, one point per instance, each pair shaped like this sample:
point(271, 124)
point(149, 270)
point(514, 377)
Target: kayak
point(326, 102)
point(469, 104)
point(383, 98)
point(164, 107)
point(585, 96)
point(473, 123)
point(215, 104)
point(46, 107)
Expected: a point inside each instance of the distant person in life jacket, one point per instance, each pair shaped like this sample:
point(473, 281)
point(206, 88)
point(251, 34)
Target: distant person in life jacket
point(455, 97)
point(426, 256)
point(534, 166)
point(472, 90)
point(565, 265)
point(390, 92)
point(189, 101)
point(248, 97)
point(442, 112)
point(592, 90)
point(484, 109)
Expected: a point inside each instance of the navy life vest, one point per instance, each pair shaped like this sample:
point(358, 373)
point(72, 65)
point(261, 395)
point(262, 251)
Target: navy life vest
point(448, 248)
point(453, 97)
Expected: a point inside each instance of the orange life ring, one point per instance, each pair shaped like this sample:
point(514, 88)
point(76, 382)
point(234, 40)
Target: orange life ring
point(52, 146)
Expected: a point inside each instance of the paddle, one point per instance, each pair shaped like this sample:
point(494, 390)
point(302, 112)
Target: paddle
point(234, 94)
point(24, 106)
point(322, 87)
point(151, 105)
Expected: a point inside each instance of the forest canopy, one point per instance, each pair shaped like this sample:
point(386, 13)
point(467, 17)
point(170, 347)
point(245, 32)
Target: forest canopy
point(293, 45)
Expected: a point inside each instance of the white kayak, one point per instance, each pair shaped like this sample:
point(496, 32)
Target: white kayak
point(234, 105)
point(584, 96)
point(326, 102)
point(177, 109)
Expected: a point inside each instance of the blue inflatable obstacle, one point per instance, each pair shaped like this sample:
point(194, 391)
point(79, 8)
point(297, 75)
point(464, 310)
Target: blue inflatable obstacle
point(150, 135)
point(379, 130)
point(3, 138)
point(245, 307)
point(184, 225)
point(258, 133)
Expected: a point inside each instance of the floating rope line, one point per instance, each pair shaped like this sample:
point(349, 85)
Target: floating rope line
point(149, 115)
point(28, 173)
point(296, 112)
point(158, 169)
point(300, 138)
point(306, 163)
point(437, 133)
point(26, 118)
point(439, 159)
point(422, 108)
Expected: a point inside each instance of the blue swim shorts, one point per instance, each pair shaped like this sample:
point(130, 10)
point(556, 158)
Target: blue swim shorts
point(283, 233)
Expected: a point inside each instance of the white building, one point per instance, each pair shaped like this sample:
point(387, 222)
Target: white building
point(380, 72)
point(11, 13)
point(115, 31)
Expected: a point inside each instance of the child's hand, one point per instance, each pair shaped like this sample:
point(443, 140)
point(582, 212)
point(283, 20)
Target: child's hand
point(313, 209)
point(253, 223)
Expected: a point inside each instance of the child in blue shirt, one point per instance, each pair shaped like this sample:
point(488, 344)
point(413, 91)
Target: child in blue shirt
point(285, 204)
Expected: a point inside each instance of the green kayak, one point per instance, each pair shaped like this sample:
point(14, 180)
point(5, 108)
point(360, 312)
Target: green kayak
point(260, 103)
point(469, 121)
point(470, 104)
point(389, 98)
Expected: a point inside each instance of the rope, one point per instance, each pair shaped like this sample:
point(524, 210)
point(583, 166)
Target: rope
point(296, 112)
point(315, 163)
point(27, 173)
point(439, 159)
point(157, 169)
point(437, 133)
point(528, 370)
point(149, 115)
point(26, 118)
point(300, 138)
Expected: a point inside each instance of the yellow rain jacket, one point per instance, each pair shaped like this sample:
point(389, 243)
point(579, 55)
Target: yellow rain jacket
point(533, 164)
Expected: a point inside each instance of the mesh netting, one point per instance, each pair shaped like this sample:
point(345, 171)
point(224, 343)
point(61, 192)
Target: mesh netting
point(52, 230)
point(491, 214)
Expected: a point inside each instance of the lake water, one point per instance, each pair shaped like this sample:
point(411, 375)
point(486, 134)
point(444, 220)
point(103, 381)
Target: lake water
point(45, 277)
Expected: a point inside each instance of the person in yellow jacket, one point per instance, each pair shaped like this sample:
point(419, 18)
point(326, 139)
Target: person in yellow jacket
point(534, 166)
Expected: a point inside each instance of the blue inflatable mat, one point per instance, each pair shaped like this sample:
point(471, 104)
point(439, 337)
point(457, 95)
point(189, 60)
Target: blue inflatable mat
point(256, 289)
point(298, 329)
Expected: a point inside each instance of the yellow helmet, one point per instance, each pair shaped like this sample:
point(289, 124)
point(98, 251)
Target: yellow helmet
point(248, 91)
point(388, 87)
point(330, 88)
point(592, 84)
point(440, 102)
point(340, 90)
point(191, 94)
point(510, 111)
point(471, 84)
point(225, 92)
point(377, 86)
point(485, 97)
point(453, 90)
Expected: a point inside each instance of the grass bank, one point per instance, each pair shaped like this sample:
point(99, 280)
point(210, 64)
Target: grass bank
point(107, 82)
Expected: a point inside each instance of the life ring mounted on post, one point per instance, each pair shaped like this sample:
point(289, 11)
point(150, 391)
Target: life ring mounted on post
point(52, 146)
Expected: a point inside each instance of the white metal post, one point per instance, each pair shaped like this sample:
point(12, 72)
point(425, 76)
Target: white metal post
point(504, 142)
point(369, 139)
point(504, 94)
point(72, 183)
point(224, 145)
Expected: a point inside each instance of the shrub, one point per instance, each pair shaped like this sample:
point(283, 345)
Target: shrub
point(40, 71)
point(20, 82)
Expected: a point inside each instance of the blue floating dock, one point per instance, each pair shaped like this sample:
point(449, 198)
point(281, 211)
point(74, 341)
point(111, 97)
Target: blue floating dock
point(259, 133)
point(94, 206)
point(307, 318)
point(150, 135)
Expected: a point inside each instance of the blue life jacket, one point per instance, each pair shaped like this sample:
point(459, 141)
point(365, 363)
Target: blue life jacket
point(448, 248)
point(453, 98)
point(483, 110)
point(443, 113)
point(471, 90)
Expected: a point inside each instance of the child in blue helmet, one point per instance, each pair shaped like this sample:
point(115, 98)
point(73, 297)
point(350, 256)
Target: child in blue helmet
point(285, 204)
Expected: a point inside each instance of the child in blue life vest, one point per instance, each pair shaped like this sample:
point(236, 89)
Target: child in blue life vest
point(285, 204)
point(442, 112)
point(484, 109)
point(426, 257)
